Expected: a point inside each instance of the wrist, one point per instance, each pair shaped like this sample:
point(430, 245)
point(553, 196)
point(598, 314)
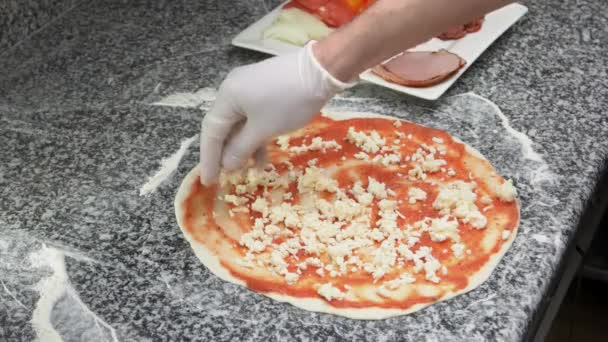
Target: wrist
point(329, 56)
point(328, 79)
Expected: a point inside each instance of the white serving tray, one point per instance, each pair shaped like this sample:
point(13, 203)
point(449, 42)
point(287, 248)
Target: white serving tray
point(469, 48)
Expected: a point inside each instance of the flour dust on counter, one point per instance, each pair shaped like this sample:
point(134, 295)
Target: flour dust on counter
point(200, 98)
point(58, 312)
point(167, 167)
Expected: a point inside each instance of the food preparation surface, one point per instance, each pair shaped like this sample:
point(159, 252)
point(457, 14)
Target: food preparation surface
point(80, 138)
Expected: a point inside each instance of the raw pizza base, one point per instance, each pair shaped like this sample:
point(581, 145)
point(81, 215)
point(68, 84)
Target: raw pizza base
point(212, 262)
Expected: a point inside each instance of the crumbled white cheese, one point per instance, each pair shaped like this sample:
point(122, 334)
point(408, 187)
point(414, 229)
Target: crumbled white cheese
point(286, 214)
point(441, 229)
point(432, 165)
point(458, 249)
point(412, 241)
point(505, 234)
point(437, 140)
point(291, 278)
point(330, 292)
point(289, 164)
point(485, 200)
point(283, 142)
point(416, 194)
point(361, 155)
point(272, 230)
point(344, 209)
point(423, 260)
point(429, 149)
point(260, 205)
point(457, 198)
point(390, 159)
point(417, 173)
point(249, 181)
point(362, 196)
point(506, 191)
point(376, 188)
point(369, 143)
point(236, 200)
point(424, 161)
point(376, 235)
point(431, 266)
point(316, 144)
point(404, 278)
point(383, 259)
point(256, 240)
point(314, 180)
point(397, 123)
point(240, 189)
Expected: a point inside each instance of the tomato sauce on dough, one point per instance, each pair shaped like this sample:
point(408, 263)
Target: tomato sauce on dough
point(201, 223)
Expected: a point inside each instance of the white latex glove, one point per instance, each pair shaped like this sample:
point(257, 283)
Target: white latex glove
point(259, 101)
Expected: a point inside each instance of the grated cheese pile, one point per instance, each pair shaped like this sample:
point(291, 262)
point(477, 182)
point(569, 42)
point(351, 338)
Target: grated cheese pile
point(331, 229)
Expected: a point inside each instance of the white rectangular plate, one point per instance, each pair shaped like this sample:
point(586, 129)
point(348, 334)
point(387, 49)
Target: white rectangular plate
point(469, 48)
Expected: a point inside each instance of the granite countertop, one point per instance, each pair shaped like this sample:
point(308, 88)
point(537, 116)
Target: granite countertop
point(84, 257)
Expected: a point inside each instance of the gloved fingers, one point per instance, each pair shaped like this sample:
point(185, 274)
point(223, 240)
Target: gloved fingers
point(215, 129)
point(241, 146)
point(211, 154)
point(261, 156)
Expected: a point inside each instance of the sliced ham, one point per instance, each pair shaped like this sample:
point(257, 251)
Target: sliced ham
point(420, 68)
point(460, 31)
point(455, 32)
point(474, 25)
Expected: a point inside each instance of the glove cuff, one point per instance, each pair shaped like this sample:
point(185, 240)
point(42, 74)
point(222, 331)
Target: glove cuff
point(327, 77)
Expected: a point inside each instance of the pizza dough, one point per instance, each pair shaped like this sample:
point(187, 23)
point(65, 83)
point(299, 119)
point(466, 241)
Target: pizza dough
point(447, 224)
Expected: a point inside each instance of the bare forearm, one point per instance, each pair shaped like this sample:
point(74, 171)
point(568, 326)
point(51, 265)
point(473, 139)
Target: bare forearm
point(391, 26)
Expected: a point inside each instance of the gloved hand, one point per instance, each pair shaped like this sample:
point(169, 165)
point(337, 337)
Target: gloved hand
point(258, 101)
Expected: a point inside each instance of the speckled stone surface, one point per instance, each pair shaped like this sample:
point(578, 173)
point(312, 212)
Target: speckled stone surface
point(21, 18)
point(79, 138)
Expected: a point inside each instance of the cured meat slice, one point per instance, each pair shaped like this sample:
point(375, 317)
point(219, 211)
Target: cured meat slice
point(420, 68)
point(455, 32)
point(474, 25)
point(460, 31)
